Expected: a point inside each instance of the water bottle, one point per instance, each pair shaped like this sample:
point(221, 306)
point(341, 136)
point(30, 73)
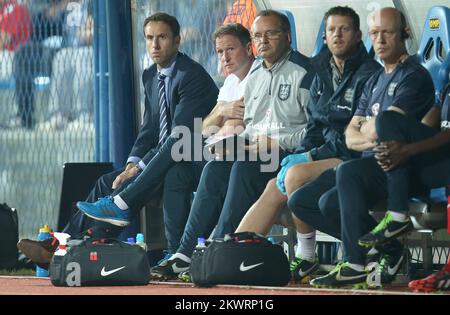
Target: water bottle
point(131, 240)
point(44, 233)
point(140, 241)
point(201, 244)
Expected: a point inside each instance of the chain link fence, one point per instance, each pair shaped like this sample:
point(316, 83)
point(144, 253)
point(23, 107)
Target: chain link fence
point(46, 92)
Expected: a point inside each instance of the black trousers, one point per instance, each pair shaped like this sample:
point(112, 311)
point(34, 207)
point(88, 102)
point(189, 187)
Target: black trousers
point(362, 183)
point(316, 203)
point(225, 192)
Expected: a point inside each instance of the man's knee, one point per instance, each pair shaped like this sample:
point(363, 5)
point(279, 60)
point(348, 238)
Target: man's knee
point(386, 123)
point(329, 203)
point(245, 169)
point(180, 173)
point(347, 170)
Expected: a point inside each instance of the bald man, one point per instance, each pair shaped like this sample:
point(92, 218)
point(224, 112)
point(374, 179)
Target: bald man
point(403, 86)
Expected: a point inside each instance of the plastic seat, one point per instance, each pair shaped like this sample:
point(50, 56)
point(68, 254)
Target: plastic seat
point(291, 19)
point(434, 48)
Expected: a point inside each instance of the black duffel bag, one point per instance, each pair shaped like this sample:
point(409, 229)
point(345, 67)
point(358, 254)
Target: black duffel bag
point(9, 235)
point(240, 259)
point(107, 262)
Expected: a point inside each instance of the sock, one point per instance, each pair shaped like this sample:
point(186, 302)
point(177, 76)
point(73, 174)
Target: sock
point(306, 246)
point(120, 203)
point(181, 256)
point(357, 267)
point(399, 216)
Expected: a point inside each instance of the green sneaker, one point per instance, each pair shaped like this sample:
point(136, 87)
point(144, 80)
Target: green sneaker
point(341, 276)
point(185, 276)
point(301, 268)
point(386, 230)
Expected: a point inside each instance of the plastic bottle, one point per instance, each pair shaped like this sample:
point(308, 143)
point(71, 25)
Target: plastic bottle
point(141, 241)
point(44, 233)
point(62, 240)
point(201, 243)
point(131, 240)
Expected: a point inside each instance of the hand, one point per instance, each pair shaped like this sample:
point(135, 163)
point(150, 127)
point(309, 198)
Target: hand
point(286, 164)
point(391, 154)
point(233, 110)
point(262, 144)
point(368, 129)
point(130, 171)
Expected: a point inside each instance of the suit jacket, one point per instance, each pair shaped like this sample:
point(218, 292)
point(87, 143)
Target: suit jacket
point(192, 94)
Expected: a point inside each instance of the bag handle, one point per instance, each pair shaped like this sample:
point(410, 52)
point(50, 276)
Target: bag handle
point(249, 237)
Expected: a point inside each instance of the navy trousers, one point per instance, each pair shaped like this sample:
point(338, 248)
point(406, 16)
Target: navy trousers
point(225, 192)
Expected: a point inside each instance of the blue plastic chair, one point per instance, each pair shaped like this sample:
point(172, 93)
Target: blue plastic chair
point(291, 19)
point(434, 48)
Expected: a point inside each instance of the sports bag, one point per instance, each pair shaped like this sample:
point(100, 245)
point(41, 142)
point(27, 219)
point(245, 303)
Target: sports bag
point(107, 262)
point(242, 259)
point(9, 236)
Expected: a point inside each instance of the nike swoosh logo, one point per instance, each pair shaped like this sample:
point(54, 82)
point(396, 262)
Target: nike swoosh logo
point(244, 268)
point(177, 269)
point(303, 273)
point(390, 234)
point(105, 273)
point(392, 271)
point(344, 107)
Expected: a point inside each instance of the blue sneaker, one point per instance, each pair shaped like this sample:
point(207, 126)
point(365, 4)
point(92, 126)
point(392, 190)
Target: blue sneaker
point(105, 210)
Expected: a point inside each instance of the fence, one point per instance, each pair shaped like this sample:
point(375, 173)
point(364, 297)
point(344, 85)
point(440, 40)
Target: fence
point(46, 92)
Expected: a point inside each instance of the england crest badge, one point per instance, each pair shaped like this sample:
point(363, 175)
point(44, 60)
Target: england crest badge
point(284, 91)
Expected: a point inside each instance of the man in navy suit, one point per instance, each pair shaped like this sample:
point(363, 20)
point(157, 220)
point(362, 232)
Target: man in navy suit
point(176, 88)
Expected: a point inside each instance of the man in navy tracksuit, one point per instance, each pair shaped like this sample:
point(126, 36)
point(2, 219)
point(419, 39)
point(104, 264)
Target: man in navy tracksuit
point(403, 86)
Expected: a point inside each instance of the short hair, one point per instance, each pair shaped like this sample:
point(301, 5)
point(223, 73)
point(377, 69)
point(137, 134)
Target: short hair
point(234, 29)
point(166, 18)
point(344, 11)
point(284, 21)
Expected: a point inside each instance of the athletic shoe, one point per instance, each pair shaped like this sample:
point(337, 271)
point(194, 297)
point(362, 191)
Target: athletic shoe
point(39, 252)
point(105, 210)
point(437, 281)
point(301, 268)
point(169, 269)
point(185, 276)
point(386, 230)
point(341, 276)
point(167, 254)
point(386, 269)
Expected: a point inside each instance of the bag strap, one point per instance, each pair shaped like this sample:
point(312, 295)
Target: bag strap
point(245, 237)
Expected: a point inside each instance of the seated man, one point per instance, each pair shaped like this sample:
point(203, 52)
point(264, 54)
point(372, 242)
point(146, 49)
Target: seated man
point(415, 158)
point(403, 85)
point(191, 93)
point(233, 46)
point(343, 67)
point(274, 100)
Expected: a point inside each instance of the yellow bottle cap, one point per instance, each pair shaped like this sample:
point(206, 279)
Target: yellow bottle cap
point(45, 229)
